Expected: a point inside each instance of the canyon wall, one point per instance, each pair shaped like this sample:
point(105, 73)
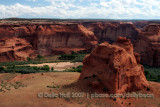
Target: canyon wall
point(13, 48)
point(59, 38)
point(110, 31)
point(49, 39)
point(148, 45)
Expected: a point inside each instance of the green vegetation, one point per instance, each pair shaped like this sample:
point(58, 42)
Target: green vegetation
point(1, 69)
point(52, 86)
point(74, 57)
point(45, 68)
point(7, 86)
point(74, 69)
point(35, 69)
point(52, 69)
point(148, 89)
point(39, 57)
point(67, 57)
point(152, 73)
point(29, 59)
point(26, 69)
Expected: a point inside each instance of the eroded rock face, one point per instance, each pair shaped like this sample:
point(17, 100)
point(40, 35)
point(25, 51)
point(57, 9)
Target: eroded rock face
point(64, 37)
point(115, 66)
point(15, 49)
point(110, 31)
point(148, 45)
point(49, 39)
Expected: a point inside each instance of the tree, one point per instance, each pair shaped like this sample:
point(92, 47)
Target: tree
point(1, 68)
point(39, 57)
point(52, 69)
point(29, 59)
point(46, 67)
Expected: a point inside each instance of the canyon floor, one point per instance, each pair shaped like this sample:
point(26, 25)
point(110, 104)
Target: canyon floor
point(59, 66)
point(32, 86)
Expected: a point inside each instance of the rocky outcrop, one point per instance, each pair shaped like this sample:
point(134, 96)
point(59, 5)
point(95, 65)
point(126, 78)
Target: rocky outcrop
point(110, 31)
point(64, 37)
point(115, 66)
point(148, 45)
point(15, 49)
point(49, 39)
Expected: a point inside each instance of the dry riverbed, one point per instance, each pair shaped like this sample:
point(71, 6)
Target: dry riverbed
point(60, 66)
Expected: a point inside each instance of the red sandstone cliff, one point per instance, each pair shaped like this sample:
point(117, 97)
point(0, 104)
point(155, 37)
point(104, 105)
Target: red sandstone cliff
point(148, 45)
point(49, 39)
point(64, 37)
point(110, 31)
point(12, 49)
point(115, 66)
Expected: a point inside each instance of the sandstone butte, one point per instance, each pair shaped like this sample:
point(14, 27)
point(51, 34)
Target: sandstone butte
point(17, 42)
point(148, 45)
point(115, 67)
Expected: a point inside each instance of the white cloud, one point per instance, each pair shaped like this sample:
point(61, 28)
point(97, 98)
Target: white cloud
point(116, 9)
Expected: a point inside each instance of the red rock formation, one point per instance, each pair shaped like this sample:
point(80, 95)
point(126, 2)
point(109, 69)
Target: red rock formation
point(115, 66)
point(110, 31)
point(15, 49)
point(59, 37)
point(49, 39)
point(148, 45)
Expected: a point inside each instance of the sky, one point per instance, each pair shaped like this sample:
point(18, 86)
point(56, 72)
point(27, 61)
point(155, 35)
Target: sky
point(81, 9)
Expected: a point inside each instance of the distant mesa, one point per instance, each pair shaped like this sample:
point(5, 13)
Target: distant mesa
point(115, 66)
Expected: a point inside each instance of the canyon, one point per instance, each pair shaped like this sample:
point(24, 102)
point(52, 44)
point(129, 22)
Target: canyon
point(53, 38)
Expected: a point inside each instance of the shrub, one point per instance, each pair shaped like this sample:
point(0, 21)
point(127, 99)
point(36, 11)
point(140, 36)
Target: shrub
point(73, 53)
point(148, 89)
point(27, 69)
point(39, 57)
point(93, 75)
point(36, 68)
point(75, 69)
point(1, 68)
point(29, 59)
point(152, 73)
point(105, 89)
point(74, 57)
point(114, 99)
point(67, 57)
point(45, 67)
point(52, 69)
